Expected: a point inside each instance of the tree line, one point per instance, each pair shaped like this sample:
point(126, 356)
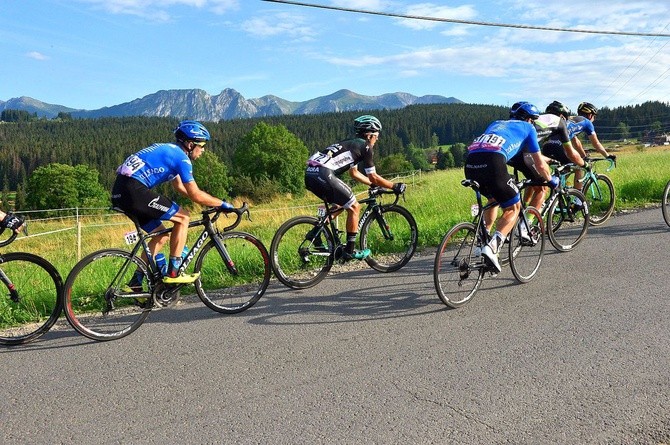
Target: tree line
point(245, 153)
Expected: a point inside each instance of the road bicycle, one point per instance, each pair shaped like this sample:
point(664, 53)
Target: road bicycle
point(32, 300)
point(304, 248)
point(598, 190)
point(566, 213)
point(665, 204)
point(459, 266)
point(102, 303)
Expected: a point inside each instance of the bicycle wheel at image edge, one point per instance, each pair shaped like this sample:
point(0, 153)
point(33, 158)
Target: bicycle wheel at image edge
point(233, 288)
point(525, 252)
point(567, 222)
point(457, 273)
point(391, 235)
point(666, 204)
point(98, 300)
point(34, 304)
point(601, 198)
point(298, 262)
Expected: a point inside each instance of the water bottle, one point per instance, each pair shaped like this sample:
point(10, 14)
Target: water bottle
point(161, 263)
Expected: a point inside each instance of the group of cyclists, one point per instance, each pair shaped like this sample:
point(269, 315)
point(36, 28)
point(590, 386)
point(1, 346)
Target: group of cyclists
point(522, 142)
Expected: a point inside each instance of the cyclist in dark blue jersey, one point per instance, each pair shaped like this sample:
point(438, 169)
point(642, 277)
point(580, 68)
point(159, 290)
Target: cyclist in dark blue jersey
point(324, 167)
point(486, 163)
point(167, 162)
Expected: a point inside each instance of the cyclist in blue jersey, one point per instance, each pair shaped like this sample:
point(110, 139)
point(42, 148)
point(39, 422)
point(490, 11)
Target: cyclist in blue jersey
point(583, 123)
point(324, 167)
point(167, 162)
point(486, 163)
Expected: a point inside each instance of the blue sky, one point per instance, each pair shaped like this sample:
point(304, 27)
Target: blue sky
point(88, 54)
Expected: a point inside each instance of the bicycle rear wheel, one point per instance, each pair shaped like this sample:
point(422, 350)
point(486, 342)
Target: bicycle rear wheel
point(665, 205)
point(233, 287)
point(567, 222)
point(391, 235)
point(32, 300)
point(599, 193)
point(525, 252)
point(297, 261)
point(99, 302)
point(457, 272)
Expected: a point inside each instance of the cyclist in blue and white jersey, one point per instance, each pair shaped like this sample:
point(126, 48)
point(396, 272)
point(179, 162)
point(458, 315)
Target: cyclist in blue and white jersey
point(583, 123)
point(324, 167)
point(486, 163)
point(168, 162)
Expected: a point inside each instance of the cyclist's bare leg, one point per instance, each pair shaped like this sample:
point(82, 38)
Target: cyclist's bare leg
point(579, 174)
point(179, 232)
point(353, 213)
point(490, 216)
point(535, 196)
point(508, 219)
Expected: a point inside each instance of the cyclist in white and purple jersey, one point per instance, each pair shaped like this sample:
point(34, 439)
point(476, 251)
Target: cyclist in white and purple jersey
point(141, 172)
point(324, 167)
point(486, 163)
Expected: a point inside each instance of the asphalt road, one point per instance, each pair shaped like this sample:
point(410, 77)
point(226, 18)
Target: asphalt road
point(578, 356)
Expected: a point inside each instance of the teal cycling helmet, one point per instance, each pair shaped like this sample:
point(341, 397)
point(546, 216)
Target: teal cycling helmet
point(558, 109)
point(367, 124)
point(191, 131)
point(523, 111)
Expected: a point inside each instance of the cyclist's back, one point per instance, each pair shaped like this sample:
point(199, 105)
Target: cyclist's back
point(341, 156)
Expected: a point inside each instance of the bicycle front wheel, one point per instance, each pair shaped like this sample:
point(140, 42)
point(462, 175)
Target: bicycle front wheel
point(390, 233)
point(32, 299)
point(301, 258)
point(457, 272)
point(233, 286)
point(567, 220)
point(666, 204)
point(526, 245)
point(100, 302)
point(599, 193)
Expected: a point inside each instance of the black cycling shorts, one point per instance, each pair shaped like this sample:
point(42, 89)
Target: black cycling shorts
point(523, 162)
point(323, 183)
point(139, 201)
point(555, 150)
point(490, 171)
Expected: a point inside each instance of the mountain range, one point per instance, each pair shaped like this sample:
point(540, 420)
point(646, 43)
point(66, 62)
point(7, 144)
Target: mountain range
point(229, 104)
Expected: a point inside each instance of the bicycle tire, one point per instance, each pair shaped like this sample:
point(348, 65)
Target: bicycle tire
point(526, 255)
point(601, 197)
point(7, 236)
point(457, 273)
point(566, 225)
point(230, 289)
point(296, 261)
point(101, 275)
point(37, 304)
point(666, 204)
point(391, 235)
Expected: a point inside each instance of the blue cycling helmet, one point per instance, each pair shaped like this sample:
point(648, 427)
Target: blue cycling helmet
point(191, 131)
point(524, 110)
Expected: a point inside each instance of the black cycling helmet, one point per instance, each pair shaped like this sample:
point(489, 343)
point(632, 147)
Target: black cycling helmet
point(191, 131)
point(524, 110)
point(367, 124)
point(585, 108)
point(558, 109)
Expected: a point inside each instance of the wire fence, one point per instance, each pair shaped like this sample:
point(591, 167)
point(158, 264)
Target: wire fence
point(52, 222)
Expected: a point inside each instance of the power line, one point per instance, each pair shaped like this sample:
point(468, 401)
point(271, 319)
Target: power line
point(467, 22)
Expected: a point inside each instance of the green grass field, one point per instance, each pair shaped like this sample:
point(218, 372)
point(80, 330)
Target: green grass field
point(436, 199)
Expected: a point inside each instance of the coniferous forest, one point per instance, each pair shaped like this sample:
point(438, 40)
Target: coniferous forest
point(27, 142)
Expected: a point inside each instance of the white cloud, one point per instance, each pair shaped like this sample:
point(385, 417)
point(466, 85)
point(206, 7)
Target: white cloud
point(465, 12)
point(36, 55)
point(294, 26)
point(158, 10)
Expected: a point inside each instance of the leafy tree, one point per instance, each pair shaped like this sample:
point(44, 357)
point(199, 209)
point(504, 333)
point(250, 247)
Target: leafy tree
point(212, 175)
point(445, 159)
point(624, 130)
point(459, 152)
point(393, 164)
point(274, 153)
point(5, 194)
point(56, 186)
point(417, 158)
